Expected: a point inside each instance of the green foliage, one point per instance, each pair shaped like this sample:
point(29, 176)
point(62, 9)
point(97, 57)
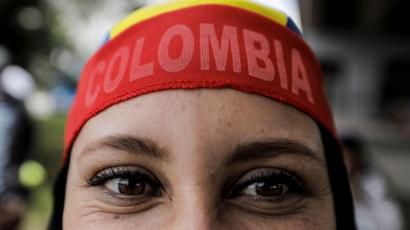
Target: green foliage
point(49, 134)
point(49, 144)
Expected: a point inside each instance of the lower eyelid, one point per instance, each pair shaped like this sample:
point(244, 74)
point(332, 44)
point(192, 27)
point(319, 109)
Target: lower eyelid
point(266, 210)
point(121, 203)
point(121, 197)
point(125, 207)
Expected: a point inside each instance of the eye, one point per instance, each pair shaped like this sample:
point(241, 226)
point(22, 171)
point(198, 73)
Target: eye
point(271, 183)
point(127, 181)
point(128, 186)
point(269, 191)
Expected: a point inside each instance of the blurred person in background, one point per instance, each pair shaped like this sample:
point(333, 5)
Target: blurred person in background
point(376, 206)
point(15, 144)
point(202, 115)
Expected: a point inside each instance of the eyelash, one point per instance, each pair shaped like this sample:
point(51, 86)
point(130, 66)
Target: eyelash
point(126, 172)
point(296, 185)
point(281, 175)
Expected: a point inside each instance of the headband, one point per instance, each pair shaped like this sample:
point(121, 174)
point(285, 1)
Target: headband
point(233, 44)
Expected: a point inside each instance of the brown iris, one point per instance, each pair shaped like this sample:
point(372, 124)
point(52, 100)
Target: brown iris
point(131, 187)
point(271, 189)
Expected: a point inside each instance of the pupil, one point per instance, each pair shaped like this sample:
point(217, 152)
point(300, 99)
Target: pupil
point(266, 189)
point(131, 187)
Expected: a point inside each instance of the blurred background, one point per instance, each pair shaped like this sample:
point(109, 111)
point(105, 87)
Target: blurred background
point(363, 45)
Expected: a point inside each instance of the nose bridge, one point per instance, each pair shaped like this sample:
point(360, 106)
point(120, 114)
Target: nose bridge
point(194, 209)
point(194, 193)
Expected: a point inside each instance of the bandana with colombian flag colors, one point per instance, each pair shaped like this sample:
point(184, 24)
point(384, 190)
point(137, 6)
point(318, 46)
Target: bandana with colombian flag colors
point(234, 44)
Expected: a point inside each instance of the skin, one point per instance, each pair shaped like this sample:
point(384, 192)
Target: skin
point(207, 142)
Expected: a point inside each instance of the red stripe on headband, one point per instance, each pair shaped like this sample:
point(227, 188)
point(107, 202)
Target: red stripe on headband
point(207, 46)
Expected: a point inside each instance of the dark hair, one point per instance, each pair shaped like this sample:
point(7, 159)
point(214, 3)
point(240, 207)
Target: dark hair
point(339, 182)
point(56, 219)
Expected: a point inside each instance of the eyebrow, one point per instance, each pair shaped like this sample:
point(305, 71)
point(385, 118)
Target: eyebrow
point(260, 150)
point(257, 150)
point(132, 145)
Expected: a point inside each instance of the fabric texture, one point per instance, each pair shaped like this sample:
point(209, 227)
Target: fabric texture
point(202, 46)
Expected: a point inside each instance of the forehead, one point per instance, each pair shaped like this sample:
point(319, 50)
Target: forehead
point(204, 117)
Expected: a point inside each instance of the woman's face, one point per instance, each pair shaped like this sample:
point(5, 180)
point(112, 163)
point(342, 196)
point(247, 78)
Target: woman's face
point(199, 159)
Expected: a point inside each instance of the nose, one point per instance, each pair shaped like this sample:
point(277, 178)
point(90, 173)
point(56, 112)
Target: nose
point(194, 210)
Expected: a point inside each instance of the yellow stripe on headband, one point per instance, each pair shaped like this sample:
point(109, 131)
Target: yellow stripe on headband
point(155, 10)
